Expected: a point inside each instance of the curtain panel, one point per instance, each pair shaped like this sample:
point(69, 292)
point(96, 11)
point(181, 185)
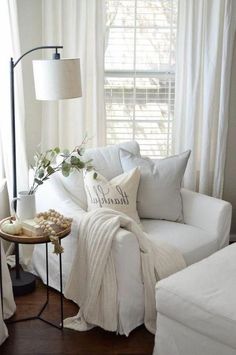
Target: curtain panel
point(203, 66)
point(78, 25)
point(10, 47)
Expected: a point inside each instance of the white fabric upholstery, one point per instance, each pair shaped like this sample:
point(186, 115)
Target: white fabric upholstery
point(130, 287)
point(171, 335)
point(202, 297)
point(107, 159)
point(194, 243)
point(202, 235)
point(52, 194)
point(92, 283)
point(208, 213)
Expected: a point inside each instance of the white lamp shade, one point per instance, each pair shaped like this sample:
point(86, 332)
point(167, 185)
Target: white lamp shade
point(57, 79)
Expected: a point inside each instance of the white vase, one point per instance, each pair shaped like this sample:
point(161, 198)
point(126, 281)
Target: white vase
point(26, 208)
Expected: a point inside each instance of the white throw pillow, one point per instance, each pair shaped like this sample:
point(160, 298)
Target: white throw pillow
point(160, 182)
point(119, 194)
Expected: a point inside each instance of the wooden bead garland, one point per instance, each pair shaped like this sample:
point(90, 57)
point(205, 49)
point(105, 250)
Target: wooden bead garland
point(51, 222)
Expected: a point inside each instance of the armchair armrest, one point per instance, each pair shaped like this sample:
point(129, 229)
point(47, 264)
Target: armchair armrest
point(208, 213)
point(52, 194)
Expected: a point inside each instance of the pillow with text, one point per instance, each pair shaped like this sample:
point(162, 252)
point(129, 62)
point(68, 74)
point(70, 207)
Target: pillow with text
point(119, 194)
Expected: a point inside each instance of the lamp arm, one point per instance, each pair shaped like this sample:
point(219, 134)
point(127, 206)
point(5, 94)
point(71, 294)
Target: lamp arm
point(35, 49)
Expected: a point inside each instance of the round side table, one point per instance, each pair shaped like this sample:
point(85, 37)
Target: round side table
point(39, 239)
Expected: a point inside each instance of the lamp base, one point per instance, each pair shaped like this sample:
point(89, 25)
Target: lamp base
point(23, 284)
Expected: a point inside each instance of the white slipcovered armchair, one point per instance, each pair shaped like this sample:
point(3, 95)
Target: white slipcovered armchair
point(206, 229)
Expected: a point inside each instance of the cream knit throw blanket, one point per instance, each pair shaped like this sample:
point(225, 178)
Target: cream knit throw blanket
point(92, 282)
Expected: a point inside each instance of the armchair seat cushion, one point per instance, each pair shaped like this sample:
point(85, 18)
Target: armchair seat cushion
point(194, 243)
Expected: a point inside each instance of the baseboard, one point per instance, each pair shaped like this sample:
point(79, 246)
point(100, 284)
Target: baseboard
point(233, 237)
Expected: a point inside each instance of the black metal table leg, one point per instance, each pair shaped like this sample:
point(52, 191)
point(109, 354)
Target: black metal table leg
point(61, 292)
point(61, 288)
point(47, 285)
point(47, 276)
point(38, 316)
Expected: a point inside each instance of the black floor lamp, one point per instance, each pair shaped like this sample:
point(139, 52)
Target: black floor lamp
point(55, 79)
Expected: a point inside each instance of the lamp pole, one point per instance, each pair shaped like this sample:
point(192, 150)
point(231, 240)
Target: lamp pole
point(23, 282)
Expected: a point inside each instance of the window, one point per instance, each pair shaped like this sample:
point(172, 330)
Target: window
point(139, 73)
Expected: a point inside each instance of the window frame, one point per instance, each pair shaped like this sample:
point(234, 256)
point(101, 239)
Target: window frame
point(168, 75)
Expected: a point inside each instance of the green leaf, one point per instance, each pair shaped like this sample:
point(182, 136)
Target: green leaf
point(66, 166)
point(65, 173)
point(50, 170)
point(57, 150)
point(95, 175)
point(65, 169)
point(41, 173)
point(74, 160)
point(81, 164)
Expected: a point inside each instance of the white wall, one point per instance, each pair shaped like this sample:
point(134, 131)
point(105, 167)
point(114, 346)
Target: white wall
point(30, 24)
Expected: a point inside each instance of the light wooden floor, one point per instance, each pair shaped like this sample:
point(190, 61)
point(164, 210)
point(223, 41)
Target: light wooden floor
point(37, 338)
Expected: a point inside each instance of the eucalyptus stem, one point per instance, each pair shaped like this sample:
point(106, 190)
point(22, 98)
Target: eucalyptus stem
point(44, 166)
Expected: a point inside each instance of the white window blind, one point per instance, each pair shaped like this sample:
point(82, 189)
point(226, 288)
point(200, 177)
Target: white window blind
point(139, 73)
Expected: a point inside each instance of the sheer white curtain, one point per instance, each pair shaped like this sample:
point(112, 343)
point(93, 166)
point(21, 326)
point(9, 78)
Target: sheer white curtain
point(203, 66)
point(78, 25)
point(10, 47)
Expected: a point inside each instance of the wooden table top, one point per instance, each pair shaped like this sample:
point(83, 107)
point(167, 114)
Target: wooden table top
point(25, 239)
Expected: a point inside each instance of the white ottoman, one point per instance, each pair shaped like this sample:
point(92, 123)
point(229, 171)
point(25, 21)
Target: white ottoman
point(196, 308)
